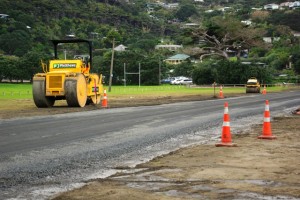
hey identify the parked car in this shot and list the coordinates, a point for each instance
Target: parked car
(176, 82)
(166, 81)
(186, 82)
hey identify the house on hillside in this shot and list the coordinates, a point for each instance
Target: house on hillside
(224, 9)
(121, 47)
(190, 25)
(171, 5)
(247, 22)
(271, 6)
(271, 39)
(286, 4)
(295, 5)
(171, 47)
(177, 59)
(3, 16)
(296, 34)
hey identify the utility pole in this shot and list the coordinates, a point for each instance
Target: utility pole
(139, 74)
(125, 74)
(159, 72)
(111, 66)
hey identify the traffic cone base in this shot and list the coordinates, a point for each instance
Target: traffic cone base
(268, 137)
(226, 145)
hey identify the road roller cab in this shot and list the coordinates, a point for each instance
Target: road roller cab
(68, 79)
(253, 86)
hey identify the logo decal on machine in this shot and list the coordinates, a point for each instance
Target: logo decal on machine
(95, 89)
(65, 65)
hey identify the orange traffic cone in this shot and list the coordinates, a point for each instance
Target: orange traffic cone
(226, 136)
(267, 132)
(221, 92)
(264, 90)
(104, 100)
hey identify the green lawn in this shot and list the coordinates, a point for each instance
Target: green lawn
(15, 91)
(24, 91)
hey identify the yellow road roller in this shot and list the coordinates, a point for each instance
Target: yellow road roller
(68, 79)
(253, 85)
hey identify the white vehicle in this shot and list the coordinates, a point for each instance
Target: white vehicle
(186, 81)
(176, 82)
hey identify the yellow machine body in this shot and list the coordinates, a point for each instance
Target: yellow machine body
(67, 79)
(253, 85)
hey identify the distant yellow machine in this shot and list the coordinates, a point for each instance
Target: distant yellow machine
(67, 79)
(253, 86)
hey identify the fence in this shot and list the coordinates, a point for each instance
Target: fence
(19, 93)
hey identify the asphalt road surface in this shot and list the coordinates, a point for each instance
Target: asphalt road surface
(41, 156)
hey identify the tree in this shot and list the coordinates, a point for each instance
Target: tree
(235, 72)
(278, 58)
(229, 72)
(15, 43)
(295, 58)
(204, 74)
(30, 64)
(223, 34)
(185, 12)
(150, 69)
(9, 67)
(183, 69)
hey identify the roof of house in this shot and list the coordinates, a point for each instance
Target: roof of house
(121, 47)
(168, 46)
(178, 57)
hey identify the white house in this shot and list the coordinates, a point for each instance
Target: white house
(286, 4)
(247, 22)
(190, 25)
(296, 34)
(295, 4)
(271, 6)
(177, 59)
(171, 5)
(121, 47)
(171, 47)
(3, 16)
(271, 39)
(224, 9)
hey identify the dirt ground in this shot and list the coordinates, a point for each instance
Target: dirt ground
(256, 169)
(26, 108)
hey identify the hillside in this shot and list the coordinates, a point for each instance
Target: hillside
(27, 26)
(38, 21)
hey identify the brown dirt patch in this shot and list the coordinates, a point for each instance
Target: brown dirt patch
(26, 108)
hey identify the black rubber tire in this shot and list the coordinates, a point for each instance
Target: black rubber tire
(39, 93)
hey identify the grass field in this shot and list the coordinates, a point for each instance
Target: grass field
(24, 91)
